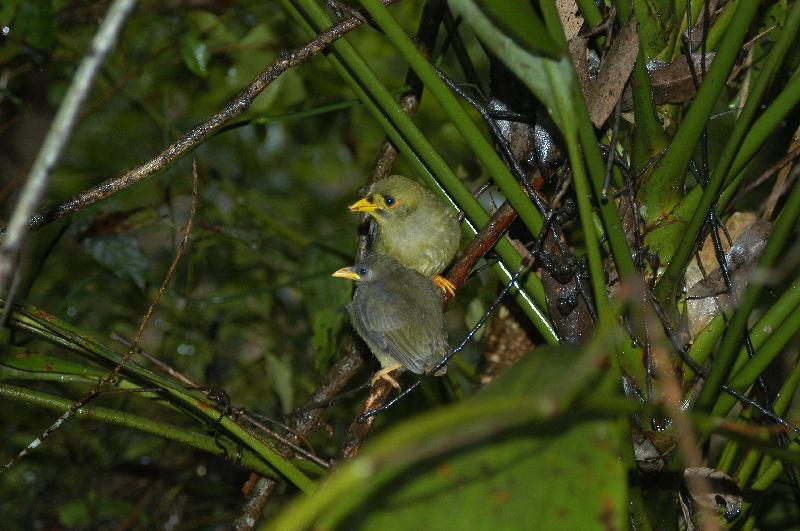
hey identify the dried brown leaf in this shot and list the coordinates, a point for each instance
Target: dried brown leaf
(749, 235)
(614, 74)
(577, 50)
(672, 82)
(724, 495)
(741, 259)
(780, 183)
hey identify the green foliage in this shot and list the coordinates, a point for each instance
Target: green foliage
(507, 453)
(37, 21)
(252, 309)
(326, 303)
(194, 53)
(504, 484)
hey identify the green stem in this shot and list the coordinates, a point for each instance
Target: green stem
(612, 222)
(781, 406)
(721, 25)
(649, 138)
(118, 418)
(590, 11)
(756, 366)
(782, 229)
(48, 327)
(583, 194)
(419, 152)
(759, 133)
(761, 130)
(677, 157)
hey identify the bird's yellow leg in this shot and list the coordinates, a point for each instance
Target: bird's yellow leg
(383, 374)
(444, 284)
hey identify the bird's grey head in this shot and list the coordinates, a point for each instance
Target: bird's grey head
(373, 267)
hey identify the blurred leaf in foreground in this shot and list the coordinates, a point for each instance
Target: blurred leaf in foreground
(510, 457)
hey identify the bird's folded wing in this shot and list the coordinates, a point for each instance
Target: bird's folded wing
(395, 325)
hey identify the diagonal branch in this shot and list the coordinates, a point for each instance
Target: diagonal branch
(195, 136)
(58, 135)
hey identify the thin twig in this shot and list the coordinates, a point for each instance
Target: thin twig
(195, 136)
(58, 136)
(245, 415)
(114, 374)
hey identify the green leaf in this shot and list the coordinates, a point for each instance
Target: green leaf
(569, 479)
(490, 462)
(22, 359)
(542, 75)
(122, 255)
(517, 19)
(195, 55)
(280, 374)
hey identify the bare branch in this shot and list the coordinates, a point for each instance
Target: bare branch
(58, 136)
(195, 136)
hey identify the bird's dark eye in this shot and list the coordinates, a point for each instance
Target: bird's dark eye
(389, 200)
(361, 271)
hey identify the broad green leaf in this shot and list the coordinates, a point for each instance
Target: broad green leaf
(510, 457)
(556, 477)
(566, 473)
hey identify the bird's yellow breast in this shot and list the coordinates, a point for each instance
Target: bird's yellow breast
(425, 240)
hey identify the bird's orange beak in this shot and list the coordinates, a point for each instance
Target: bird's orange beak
(364, 205)
(348, 273)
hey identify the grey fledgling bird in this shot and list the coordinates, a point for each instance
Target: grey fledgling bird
(398, 313)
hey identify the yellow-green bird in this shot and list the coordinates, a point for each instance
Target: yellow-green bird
(414, 226)
(398, 313)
